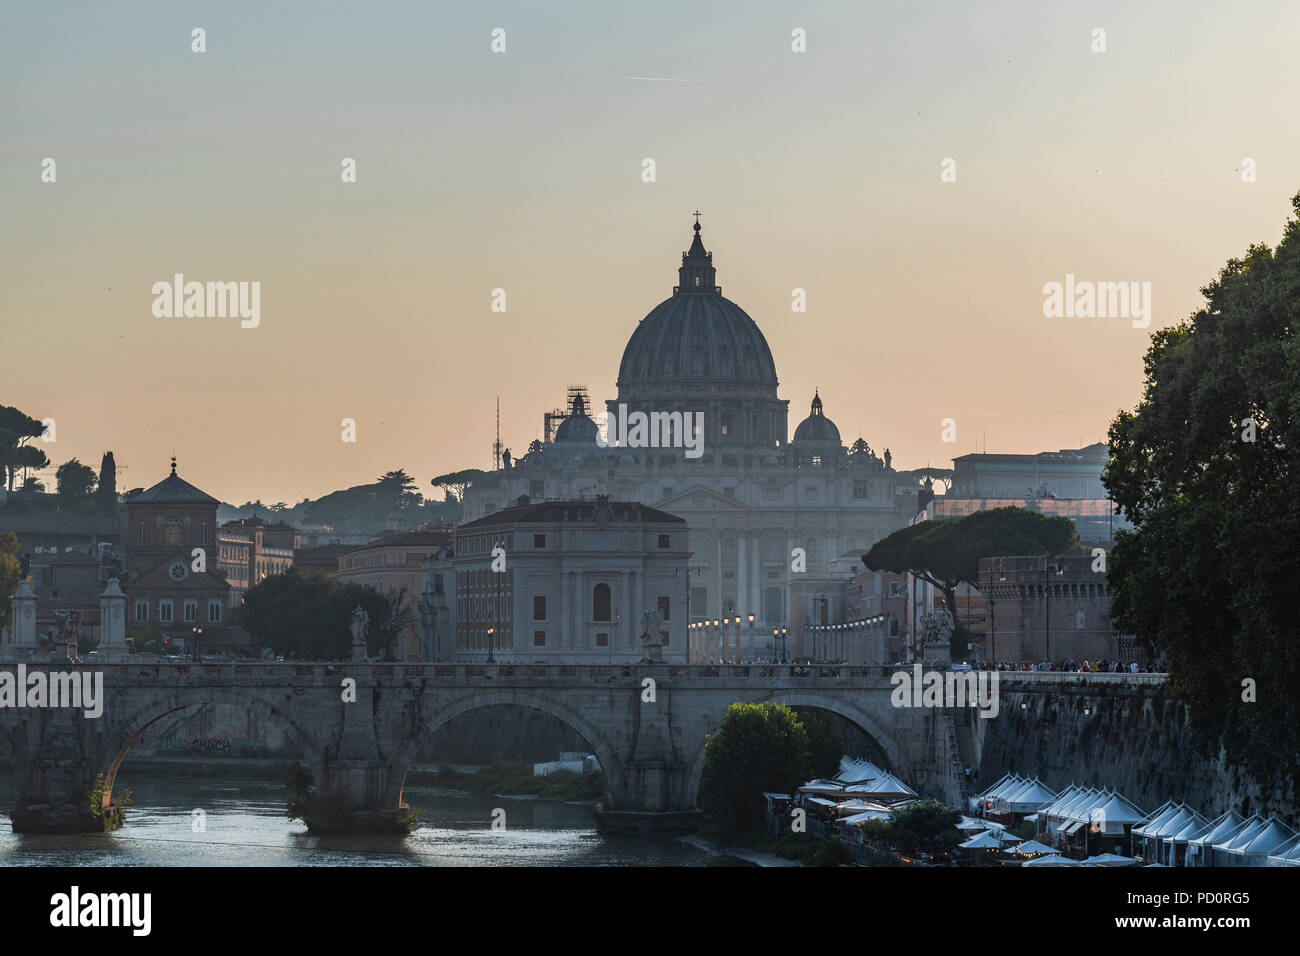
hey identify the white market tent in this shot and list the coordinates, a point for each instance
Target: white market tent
(973, 825)
(1114, 813)
(984, 841)
(1288, 854)
(1223, 850)
(1111, 859)
(1029, 848)
(1256, 851)
(822, 786)
(1170, 842)
(862, 806)
(886, 785)
(1052, 859)
(857, 819)
(1025, 799)
(1003, 786)
(1157, 818)
(853, 770)
(1162, 830)
(1200, 847)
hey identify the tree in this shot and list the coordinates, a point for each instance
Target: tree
(29, 458)
(10, 575)
(16, 430)
(309, 617)
(75, 482)
(454, 484)
(1202, 467)
(825, 742)
(947, 552)
(106, 492)
(758, 748)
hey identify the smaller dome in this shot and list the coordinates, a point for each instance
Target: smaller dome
(817, 427)
(577, 426)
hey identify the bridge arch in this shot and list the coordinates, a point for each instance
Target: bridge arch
(123, 733)
(895, 755)
(430, 722)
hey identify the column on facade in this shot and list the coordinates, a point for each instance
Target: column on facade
(625, 626)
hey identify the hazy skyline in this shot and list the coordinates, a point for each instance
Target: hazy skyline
(522, 171)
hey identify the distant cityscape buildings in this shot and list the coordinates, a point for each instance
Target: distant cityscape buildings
(697, 506)
(761, 509)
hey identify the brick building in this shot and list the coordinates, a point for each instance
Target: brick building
(1056, 609)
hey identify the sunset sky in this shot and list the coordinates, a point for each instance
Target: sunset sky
(522, 170)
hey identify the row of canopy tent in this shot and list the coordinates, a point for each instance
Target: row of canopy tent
(1179, 836)
(1014, 795)
(1173, 835)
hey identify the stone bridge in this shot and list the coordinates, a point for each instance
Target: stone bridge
(651, 751)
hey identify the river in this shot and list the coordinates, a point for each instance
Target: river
(244, 825)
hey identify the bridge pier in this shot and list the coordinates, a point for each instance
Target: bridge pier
(54, 797)
(651, 797)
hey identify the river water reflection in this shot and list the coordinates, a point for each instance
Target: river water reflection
(245, 825)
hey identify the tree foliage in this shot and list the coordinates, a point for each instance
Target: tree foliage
(758, 748)
(17, 429)
(825, 742)
(309, 616)
(106, 490)
(948, 552)
(454, 484)
(10, 574)
(1203, 467)
(370, 506)
(75, 483)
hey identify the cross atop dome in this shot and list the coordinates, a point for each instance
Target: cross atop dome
(696, 273)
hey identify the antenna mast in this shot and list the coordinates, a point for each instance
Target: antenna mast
(496, 445)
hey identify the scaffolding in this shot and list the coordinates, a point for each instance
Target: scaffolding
(551, 420)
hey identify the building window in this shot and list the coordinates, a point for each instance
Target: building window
(665, 541)
(214, 610)
(172, 532)
(602, 639)
(139, 533)
(539, 607)
(668, 491)
(600, 603)
(142, 608)
(539, 541)
(165, 611)
(537, 490)
(862, 489)
(665, 607)
(1078, 619)
(191, 610)
(539, 638)
(895, 589)
(203, 532)
(772, 605)
(729, 492)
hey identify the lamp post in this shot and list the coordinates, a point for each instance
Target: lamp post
(197, 632)
(491, 633)
(1047, 595)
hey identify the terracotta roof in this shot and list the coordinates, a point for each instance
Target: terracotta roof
(552, 511)
(173, 489)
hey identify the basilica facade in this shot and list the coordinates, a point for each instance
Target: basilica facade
(765, 512)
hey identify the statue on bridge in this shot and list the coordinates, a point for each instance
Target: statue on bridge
(651, 637)
(936, 630)
(360, 626)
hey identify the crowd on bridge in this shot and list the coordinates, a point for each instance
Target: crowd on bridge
(1103, 666)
